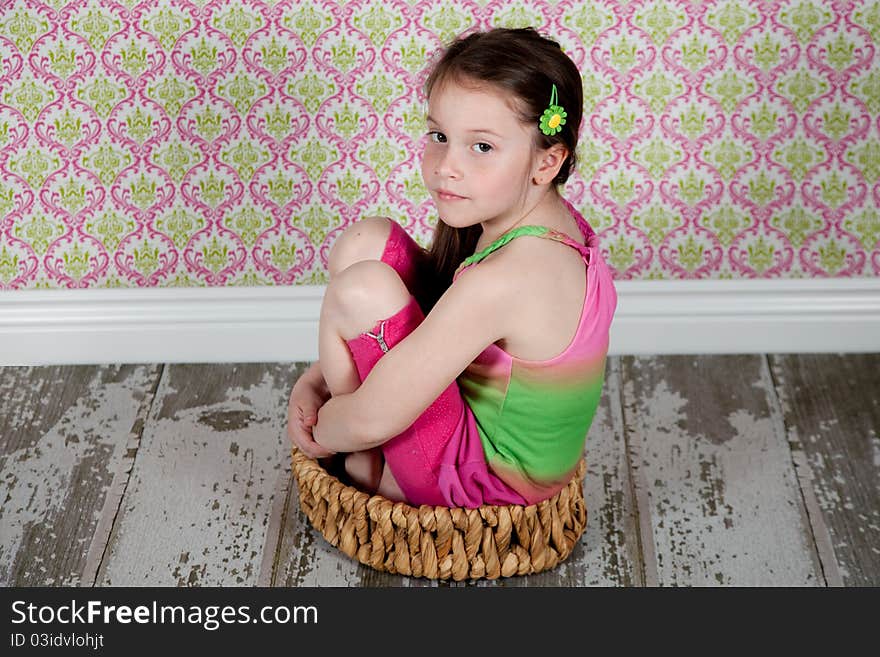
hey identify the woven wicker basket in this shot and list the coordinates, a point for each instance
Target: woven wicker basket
(439, 542)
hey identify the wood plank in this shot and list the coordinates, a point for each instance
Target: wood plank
(722, 495)
(611, 540)
(274, 526)
(607, 554)
(64, 438)
(197, 506)
(831, 405)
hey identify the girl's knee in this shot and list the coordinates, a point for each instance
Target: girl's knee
(365, 293)
(363, 240)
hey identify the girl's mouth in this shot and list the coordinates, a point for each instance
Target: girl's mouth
(443, 195)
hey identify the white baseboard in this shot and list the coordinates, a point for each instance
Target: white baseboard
(280, 324)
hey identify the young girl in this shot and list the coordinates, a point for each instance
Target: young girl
(469, 374)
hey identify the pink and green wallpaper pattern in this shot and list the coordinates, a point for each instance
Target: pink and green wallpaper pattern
(215, 143)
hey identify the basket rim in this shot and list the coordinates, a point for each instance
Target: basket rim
(303, 463)
(441, 542)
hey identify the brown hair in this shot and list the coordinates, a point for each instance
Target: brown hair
(526, 65)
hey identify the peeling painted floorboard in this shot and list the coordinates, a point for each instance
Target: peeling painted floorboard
(65, 439)
(708, 470)
(831, 405)
(197, 508)
(720, 489)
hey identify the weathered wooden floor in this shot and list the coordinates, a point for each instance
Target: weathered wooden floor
(703, 471)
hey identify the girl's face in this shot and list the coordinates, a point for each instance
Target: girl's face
(479, 158)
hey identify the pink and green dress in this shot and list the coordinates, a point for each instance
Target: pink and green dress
(526, 422)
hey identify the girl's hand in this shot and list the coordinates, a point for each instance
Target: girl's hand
(308, 395)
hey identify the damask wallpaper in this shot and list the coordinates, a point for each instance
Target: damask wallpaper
(179, 143)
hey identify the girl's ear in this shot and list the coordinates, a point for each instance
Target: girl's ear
(548, 164)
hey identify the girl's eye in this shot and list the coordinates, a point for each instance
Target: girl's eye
(482, 147)
(437, 137)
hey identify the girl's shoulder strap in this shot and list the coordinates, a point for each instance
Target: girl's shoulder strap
(538, 231)
(501, 241)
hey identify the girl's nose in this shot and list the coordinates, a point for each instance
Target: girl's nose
(447, 165)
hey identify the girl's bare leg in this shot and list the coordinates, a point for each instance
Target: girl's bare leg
(363, 240)
(357, 298)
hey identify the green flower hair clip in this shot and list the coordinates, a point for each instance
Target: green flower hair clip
(554, 116)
